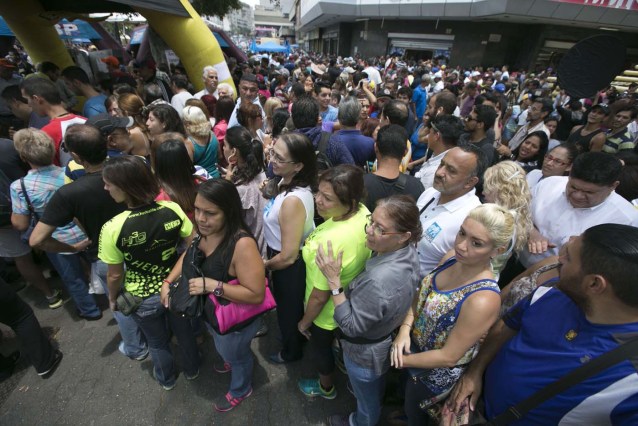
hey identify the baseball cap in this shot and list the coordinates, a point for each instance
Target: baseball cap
(604, 107)
(111, 60)
(500, 87)
(385, 93)
(348, 70)
(107, 123)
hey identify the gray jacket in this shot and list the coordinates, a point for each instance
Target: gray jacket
(377, 301)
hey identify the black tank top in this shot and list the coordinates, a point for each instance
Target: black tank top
(582, 142)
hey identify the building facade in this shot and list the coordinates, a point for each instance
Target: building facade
(240, 21)
(520, 33)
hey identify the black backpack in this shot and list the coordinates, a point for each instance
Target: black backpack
(323, 162)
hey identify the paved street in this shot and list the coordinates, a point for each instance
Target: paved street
(96, 385)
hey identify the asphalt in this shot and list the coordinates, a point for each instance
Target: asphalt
(96, 385)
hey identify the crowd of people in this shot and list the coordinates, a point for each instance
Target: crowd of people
(473, 230)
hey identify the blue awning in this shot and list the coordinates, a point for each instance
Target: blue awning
(220, 40)
(67, 30)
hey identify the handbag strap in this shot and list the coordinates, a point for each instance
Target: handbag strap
(622, 352)
(28, 200)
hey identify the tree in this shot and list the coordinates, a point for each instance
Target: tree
(215, 7)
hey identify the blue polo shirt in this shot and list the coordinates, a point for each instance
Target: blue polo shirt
(554, 337)
(361, 147)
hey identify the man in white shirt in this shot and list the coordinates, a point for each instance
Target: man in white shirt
(566, 206)
(444, 134)
(444, 206)
(179, 86)
(372, 72)
(210, 78)
(248, 93)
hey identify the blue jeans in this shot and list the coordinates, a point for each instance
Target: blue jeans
(234, 348)
(134, 343)
(368, 388)
(151, 317)
(69, 266)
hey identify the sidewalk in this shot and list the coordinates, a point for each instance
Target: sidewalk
(96, 385)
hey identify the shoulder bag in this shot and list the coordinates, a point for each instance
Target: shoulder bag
(232, 316)
(34, 217)
(180, 301)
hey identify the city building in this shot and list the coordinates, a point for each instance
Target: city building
(240, 21)
(267, 15)
(521, 33)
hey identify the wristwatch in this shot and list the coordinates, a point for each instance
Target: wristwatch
(219, 290)
(336, 291)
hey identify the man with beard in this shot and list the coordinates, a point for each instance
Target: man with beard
(592, 310)
(444, 206)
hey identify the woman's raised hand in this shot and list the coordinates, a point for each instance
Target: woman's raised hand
(329, 265)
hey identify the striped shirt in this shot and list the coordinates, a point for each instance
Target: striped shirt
(41, 184)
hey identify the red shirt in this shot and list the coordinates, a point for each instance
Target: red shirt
(56, 129)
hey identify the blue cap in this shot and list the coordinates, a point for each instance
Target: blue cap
(500, 87)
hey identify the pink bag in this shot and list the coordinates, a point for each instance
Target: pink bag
(231, 316)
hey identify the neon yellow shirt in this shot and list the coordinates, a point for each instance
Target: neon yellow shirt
(347, 236)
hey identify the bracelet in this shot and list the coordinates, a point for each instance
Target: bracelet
(204, 280)
(409, 325)
(167, 282)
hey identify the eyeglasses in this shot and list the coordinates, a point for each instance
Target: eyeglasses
(275, 158)
(469, 118)
(555, 160)
(433, 127)
(376, 229)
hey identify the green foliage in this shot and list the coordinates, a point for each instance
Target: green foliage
(215, 7)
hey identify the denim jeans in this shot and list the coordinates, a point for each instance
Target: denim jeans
(368, 388)
(234, 348)
(151, 317)
(69, 266)
(134, 343)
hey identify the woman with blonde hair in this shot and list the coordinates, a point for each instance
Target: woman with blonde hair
(269, 109)
(456, 305)
(131, 105)
(204, 142)
(30, 196)
(505, 184)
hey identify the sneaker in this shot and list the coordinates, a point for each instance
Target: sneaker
(193, 377)
(141, 357)
(57, 357)
(339, 420)
(165, 387)
(55, 300)
(312, 388)
(222, 368)
(228, 402)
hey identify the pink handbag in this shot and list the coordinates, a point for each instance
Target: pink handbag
(231, 316)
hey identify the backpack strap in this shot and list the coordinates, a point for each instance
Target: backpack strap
(401, 182)
(28, 200)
